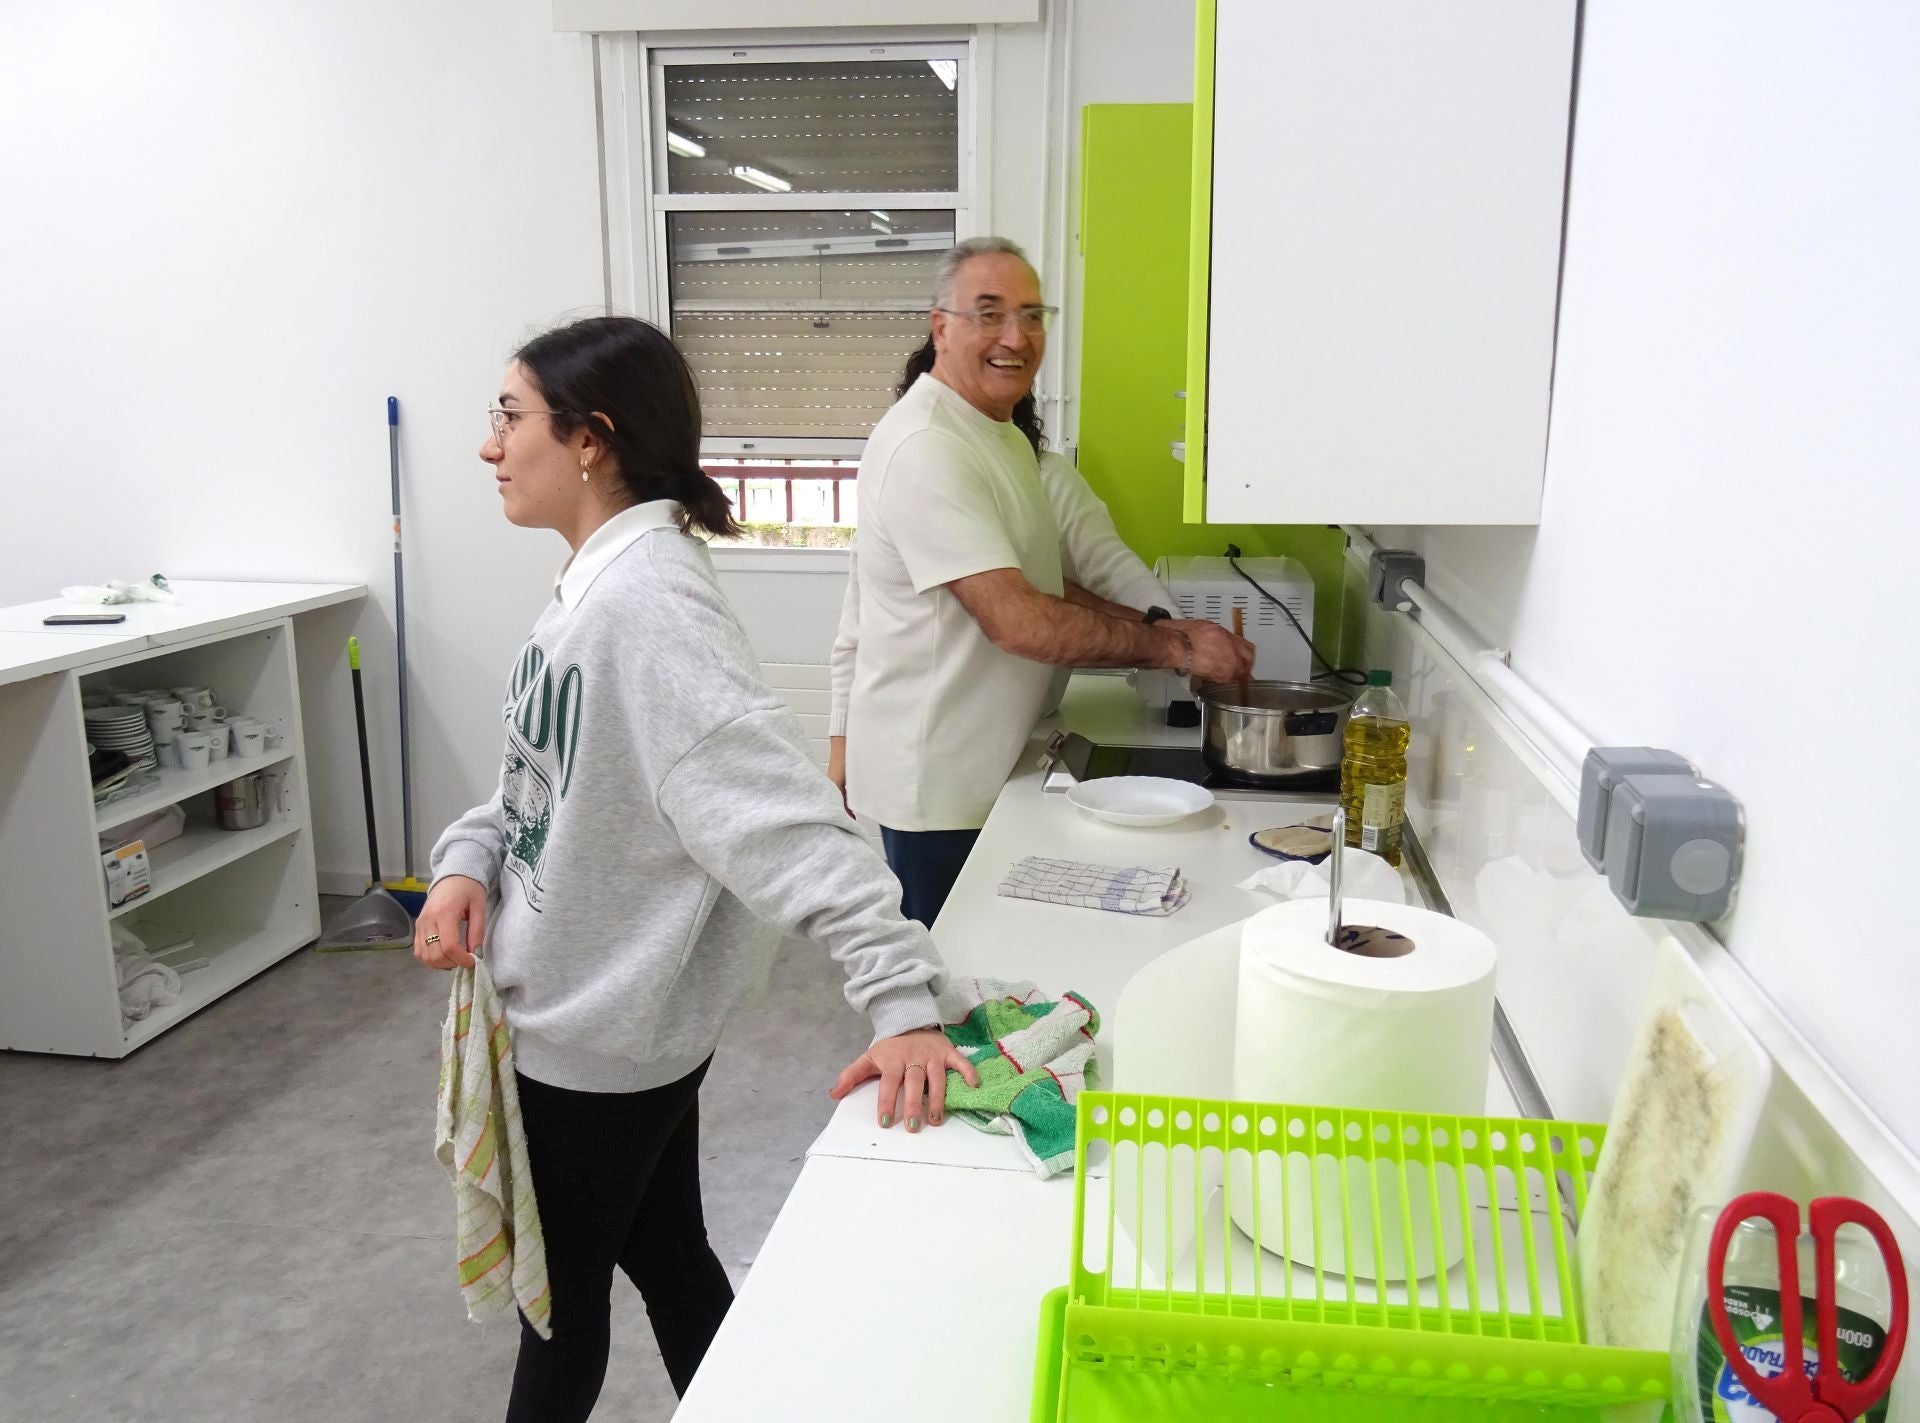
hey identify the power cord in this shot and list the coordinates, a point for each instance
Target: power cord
(1352, 676)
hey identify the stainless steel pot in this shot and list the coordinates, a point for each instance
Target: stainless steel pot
(242, 804)
(1272, 733)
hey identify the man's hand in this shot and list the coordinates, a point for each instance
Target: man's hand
(837, 768)
(1218, 656)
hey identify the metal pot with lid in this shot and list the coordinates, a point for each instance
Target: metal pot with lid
(1272, 733)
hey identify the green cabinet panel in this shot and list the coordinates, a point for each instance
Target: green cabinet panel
(1135, 225)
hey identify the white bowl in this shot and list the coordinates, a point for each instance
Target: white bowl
(1140, 800)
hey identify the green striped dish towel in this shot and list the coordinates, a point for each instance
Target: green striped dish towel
(479, 1138)
(1034, 1055)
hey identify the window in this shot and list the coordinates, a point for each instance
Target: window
(802, 197)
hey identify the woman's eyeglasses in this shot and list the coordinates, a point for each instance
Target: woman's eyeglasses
(503, 419)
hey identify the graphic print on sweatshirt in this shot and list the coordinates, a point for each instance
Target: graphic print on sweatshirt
(543, 746)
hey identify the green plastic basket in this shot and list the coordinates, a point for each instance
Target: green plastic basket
(1174, 1311)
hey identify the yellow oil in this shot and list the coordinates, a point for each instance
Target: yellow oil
(1373, 784)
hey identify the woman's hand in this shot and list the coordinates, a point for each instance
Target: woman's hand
(837, 767)
(455, 902)
(914, 1064)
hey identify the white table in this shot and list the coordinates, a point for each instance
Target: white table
(1060, 947)
(46, 651)
(205, 608)
(892, 1244)
(891, 1290)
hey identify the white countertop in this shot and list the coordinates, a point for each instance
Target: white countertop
(949, 1226)
(205, 607)
(1060, 947)
(25, 655)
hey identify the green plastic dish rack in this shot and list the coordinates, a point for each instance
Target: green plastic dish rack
(1174, 1312)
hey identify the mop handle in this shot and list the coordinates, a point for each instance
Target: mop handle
(366, 766)
(400, 639)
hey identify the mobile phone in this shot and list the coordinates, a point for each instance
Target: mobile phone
(64, 620)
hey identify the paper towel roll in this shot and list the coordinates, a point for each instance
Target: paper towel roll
(1320, 1026)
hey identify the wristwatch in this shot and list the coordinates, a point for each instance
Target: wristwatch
(1154, 615)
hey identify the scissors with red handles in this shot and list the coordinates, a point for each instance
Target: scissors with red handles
(1798, 1394)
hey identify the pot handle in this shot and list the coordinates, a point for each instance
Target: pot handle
(1320, 723)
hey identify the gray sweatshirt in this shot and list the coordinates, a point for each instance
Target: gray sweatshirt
(658, 826)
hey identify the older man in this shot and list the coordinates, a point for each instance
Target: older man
(963, 610)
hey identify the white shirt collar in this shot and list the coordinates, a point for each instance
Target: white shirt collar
(607, 543)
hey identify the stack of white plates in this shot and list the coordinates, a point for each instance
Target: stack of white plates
(123, 729)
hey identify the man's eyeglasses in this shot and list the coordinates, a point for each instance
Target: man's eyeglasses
(503, 419)
(993, 319)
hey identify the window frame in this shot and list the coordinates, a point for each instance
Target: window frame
(973, 54)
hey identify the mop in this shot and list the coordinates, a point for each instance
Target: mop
(376, 920)
(408, 890)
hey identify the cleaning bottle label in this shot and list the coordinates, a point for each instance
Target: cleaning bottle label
(1381, 811)
(1755, 1313)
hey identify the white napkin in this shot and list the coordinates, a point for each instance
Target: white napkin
(1123, 890)
(1363, 876)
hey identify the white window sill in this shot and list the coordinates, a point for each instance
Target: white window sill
(779, 560)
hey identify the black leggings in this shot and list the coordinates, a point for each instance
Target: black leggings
(617, 1177)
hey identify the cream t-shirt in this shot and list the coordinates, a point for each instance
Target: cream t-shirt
(938, 715)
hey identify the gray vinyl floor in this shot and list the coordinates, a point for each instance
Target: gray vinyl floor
(244, 1220)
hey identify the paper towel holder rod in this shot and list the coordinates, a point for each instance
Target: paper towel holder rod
(1333, 876)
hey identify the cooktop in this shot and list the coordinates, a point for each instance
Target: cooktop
(1090, 761)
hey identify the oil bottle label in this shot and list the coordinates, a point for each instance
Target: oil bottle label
(1381, 811)
(1755, 1313)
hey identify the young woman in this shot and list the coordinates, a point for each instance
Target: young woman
(658, 825)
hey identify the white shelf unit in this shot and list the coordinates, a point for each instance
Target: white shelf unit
(247, 898)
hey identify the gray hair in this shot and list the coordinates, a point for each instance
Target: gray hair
(957, 256)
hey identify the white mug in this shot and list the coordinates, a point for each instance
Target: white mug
(197, 698)
(195, 749)
(166, 716)
(166, 748)
(248, 741)
(275, 740)
(220, 740)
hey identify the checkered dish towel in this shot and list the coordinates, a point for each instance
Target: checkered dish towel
(1125, 891)
(479, 1138)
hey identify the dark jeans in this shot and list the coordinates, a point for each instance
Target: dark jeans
(617, 1177)
(927, 863)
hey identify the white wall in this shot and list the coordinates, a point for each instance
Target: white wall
(237, 229)
(1730, 500)
(229, 232)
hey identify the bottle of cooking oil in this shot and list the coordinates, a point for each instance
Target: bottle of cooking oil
(1373, 769)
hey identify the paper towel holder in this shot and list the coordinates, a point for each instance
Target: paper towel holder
(1333, 875)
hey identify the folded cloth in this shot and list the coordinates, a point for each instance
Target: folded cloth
(1116, 887)
(1034, 1056)
(479, 1138)
(145, 982)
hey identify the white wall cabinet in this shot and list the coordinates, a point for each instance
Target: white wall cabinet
(246, 898)
(1374, 311)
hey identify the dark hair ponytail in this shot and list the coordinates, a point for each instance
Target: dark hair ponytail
(1026, 414)
(630, 373)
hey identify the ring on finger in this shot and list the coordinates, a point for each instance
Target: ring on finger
(433, 938)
